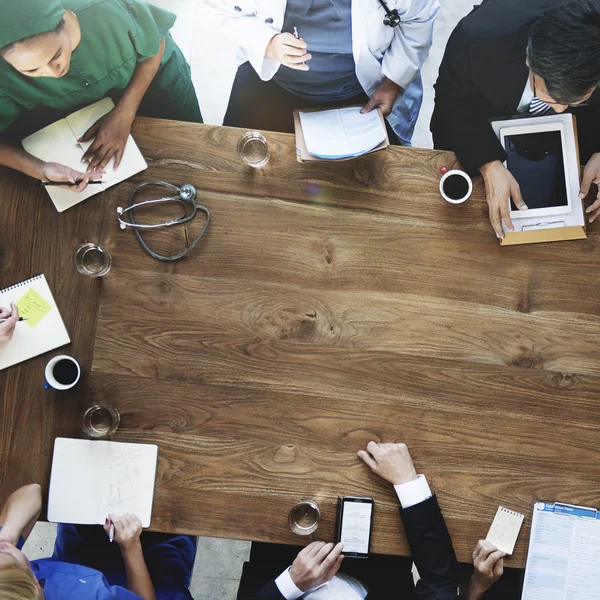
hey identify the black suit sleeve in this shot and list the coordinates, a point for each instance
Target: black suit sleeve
(432, 551)
(460, 122)
(269, 591)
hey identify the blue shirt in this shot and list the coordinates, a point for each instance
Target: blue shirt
(326, 27)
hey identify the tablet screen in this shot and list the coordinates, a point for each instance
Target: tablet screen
(536, 162)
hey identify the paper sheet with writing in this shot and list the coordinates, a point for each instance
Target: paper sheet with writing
(33, 307)
(341, 132)
(504, 530)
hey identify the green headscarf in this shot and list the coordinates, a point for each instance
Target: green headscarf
(24, 18)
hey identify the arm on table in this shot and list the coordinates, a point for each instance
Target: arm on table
(20, 513)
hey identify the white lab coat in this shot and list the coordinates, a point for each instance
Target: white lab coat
(379, 51)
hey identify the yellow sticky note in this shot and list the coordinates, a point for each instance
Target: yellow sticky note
(33, 307)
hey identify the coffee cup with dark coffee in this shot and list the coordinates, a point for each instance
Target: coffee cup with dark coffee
(455, 186)
(62, 373)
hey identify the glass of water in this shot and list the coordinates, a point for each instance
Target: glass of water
(92, 260)
(304, 517)
(253, 149)
(101, 420)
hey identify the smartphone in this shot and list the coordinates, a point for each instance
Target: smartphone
(355, 518)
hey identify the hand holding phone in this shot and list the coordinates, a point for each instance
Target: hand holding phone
(390, 461)
(315, 565)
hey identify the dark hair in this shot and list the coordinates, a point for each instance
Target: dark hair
(564, 49)
(9, 47)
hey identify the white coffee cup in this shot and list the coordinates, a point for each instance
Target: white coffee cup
(51, 381)
(446, 175)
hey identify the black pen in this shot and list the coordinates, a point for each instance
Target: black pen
(19, 319)
(47, 183)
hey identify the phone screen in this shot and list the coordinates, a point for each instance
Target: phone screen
(356, 526)
(536, 162)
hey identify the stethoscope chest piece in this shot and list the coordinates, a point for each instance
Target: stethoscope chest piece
(185, 195)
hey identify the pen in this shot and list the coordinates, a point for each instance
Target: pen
(47, 183)
(19, 319)
(297, 36)
(111, 533)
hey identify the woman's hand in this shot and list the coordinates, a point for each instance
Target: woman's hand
(7, 328)
(111, 133)
(127, 530)
(591, 174)
(289, 51)
(55, 172)
(383, 97)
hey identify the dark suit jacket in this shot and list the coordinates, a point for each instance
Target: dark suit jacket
(482, 78)
(432, 552)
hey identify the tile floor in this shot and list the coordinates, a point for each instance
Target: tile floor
(219, 561)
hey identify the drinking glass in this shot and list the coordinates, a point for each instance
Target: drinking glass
(92, 260)
(101, 420)
(253, 149)
(304, 517)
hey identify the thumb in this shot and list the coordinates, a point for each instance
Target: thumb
(515, 194)
(588, 179)
(369, 106)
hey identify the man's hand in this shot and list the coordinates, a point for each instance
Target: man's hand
(499, 186)
(488, 563)
(390, 461)
(111, 133)
(55, 172)
(289, 51)
(591, 174)
(8, 327)
(383, 97)
(127, 530)
(316, 564)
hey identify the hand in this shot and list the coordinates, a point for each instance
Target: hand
(390, 461)
(591, 174)
(499, 186)
(488, 563)
(7, 328)
(127, 530)
(383, 97)
(56, 172)
(111, 133)
(289, 51)
(316, 564)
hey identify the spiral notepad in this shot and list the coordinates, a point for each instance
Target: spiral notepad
(43, 330)
(504, 530)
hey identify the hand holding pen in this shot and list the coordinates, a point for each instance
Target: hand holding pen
(59, 175)
(289, 50)
(9, 317)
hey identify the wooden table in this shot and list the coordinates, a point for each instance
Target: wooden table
(329, 305)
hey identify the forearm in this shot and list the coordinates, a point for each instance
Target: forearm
(138, 578)
(20, 513)
(16, 158)
(142, 77)
(474, 591)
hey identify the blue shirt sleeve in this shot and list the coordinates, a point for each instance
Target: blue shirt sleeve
(20, 543)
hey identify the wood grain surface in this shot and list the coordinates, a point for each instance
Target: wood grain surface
(330, 304)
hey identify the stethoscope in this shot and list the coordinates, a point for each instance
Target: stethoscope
(392, 18)
(186, 195)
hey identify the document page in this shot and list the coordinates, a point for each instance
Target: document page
(341, 133)
(583, 581)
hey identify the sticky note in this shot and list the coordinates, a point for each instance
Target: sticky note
(505, 529)
(33, 307)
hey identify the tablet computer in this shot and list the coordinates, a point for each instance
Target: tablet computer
(537, 160)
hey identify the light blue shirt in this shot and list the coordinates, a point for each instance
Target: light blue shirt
(326, 26)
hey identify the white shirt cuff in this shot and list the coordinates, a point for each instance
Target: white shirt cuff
(287, 587)
(413, 492)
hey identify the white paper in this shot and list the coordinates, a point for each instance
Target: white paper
(563, 562)
(504, 530)
(92, 478)
(342, 132)
(356, 521)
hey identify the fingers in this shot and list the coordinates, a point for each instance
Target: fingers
(313, 549)
(369, 106)
(118, 158)
(323, 552)
(366, 457)
(374, 450)
(594, 215)
(91, 152)
(106, 526)
(491, 560)
(288, 39)
(90, 133)
(294, 51)
(505, 213)
(496, 221)
(101, 164)
(483, 549)
(515, 194)
(499, 568)
(335, 567)
(588, 178)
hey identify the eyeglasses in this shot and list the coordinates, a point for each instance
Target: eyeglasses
(573, 105)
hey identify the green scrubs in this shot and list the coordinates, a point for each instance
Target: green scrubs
(115, 36)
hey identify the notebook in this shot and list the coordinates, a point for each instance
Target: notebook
(58, 143)
(505, 528)
(563, 561)
(44, 329)
(338, 134)
(91, 479)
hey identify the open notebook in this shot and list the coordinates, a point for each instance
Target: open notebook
(58, 143)
(93, 478)
(44, 329)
